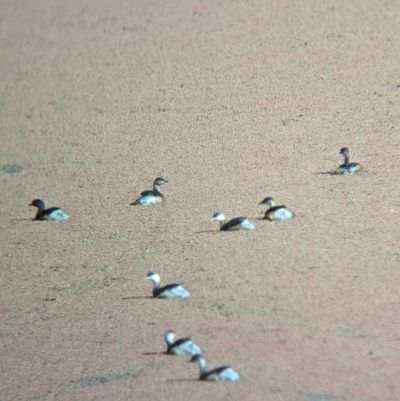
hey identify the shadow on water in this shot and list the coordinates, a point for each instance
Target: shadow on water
(182, 380)
(137, 297)
(11, 168)
(154, 353)
(96, 380)
(317, 397)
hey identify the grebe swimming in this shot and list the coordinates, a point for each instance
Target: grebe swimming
(151, 197)
(238, 223)
(181, 346)
(347, 168)
(53, 213)
(276, 212)
(222, 373)
(168, 291)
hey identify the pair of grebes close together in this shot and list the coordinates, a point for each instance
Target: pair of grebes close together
(152, 197)
(184, 345)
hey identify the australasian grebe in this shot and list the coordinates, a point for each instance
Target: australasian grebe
(53, 213)
(151, 197)
(276, 212)
(222, 373)
(181, 346)
(347, 168)
(168, 291)
(238, 223)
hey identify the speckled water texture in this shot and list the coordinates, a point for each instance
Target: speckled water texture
(231, 101)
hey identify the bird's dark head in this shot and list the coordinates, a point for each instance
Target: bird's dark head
(268, 201)
(218, 217)
(151, 276)
(37, 203)
(160, 181)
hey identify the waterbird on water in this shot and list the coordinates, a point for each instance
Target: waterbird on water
(181, 346)
(347, 168)
(151, 197)
(238, 223)
(168, 291)
(52, 213)
(276, 212)
(222, 373)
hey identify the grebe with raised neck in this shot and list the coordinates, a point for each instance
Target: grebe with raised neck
(151, 197)
(347, 168)
(52, 213)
